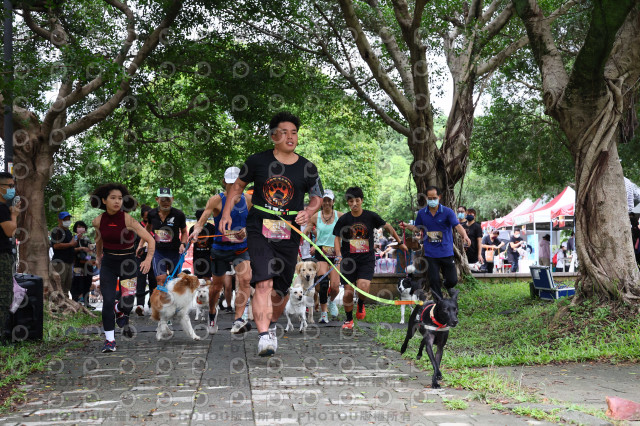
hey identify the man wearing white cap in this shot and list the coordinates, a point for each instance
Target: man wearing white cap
(229, 250)
(325, 239)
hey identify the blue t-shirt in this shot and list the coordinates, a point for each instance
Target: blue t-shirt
(438, 231)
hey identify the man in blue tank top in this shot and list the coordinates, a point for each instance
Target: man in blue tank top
(228, 250)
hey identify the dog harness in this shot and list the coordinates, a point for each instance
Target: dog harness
(440, 327)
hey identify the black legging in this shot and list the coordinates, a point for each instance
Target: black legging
(323, 290)
(112, 268)
(142, 283)
(449, 272)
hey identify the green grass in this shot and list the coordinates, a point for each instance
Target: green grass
(455, 404)
(19, 360)
(501, 325)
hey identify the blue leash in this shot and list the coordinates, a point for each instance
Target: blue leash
(321, 278)
(163, 287)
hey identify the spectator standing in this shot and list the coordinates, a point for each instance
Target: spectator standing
(544, 251)
(512, 250)
(490, 244)
(461, 214)
(571, 243)
(563, 259)
(64, 253)
(474, 232)
(82, 266)
(169, 226)
(8, 223)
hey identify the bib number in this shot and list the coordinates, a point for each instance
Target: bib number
(232, 236)
(329, 251)
(275, 229)
(163, 236)
(128, 287)
(359, 245)
(434, 237)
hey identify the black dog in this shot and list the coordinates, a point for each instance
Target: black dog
(433, 319)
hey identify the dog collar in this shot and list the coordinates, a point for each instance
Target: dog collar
(440, 327)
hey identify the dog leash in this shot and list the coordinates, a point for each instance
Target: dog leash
(163, 287)
(364, 293)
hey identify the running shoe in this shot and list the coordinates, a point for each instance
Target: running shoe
(333, 308)
(273, 334)
(240, 326)
(266, 346)
(229, 310)
(109, 346)
(323, 319)
(347, 325)
(361, 312)
(140, 310)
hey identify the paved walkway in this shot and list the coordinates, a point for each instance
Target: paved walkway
(322, 377)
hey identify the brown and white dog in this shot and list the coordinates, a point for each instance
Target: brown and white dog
(175, 304)
(305, 277)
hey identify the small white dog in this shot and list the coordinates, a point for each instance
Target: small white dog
(407, 288)
(296, 308)
(174, 304)
(202, 302)
(305, 277)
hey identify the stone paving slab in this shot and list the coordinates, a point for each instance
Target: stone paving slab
(321, 377)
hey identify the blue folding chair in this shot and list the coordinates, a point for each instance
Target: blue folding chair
(544, 286)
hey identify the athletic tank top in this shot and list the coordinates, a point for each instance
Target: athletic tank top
(114, 233)
(239, 214)
(325, 232)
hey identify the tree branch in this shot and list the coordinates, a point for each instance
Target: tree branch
(183, 112)
(108, 107)
(366, 52)
(131, 33)
(28, 20)
(624, 60)
(490, 11)
(499, 58)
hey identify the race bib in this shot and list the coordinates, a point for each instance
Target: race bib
(232, 236)
(329, 251)
(275, 229)
(359, 245)
(434, 237)
(77, 271)
(163, 236)
(128, 287)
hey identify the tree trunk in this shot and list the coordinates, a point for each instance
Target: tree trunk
(33, 168)
(603, 237)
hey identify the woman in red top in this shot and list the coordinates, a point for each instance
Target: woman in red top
(115, 256)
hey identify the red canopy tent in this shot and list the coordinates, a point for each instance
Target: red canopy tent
(522, 207)
(509, 220)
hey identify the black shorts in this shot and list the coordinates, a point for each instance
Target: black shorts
(317, 256)
(202, 267)
(272, 259)
(357, 270)
(223, 259)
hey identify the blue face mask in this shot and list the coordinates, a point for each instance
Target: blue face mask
(10, 194)
(460, 215)
(433, 203)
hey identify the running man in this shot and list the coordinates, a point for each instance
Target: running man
(281, 178)
(354, 233)
(228, 250)
(328, 288)
(436, 222)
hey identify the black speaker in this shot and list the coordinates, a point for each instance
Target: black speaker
(27, 323)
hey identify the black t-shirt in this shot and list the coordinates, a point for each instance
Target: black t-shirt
(167, 232)
(510, 251)
(81, 256)
(357, 234)
(487, 242)
(5, 240)
(202, 247)
(473, 232)
(279, 187)
(61, 235)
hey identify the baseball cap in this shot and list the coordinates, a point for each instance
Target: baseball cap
(164, 192)
(63, 215)
(231, 174)
(328, 194)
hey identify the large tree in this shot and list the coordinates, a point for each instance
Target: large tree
(587, 98)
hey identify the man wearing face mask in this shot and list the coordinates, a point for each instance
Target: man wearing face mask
(474, 232)
(8, 222)
(436, 222)
(512, 251)
(490, 244)
(64, 251)
(169, 226)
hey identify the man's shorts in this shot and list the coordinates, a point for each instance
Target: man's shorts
(357, 270)
(222, 260)
(202, 267)
(272, 259)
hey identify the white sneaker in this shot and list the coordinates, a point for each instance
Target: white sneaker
(333, 308)
(212, 328)
(266, 346)
(273, 334)
(240, 326)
